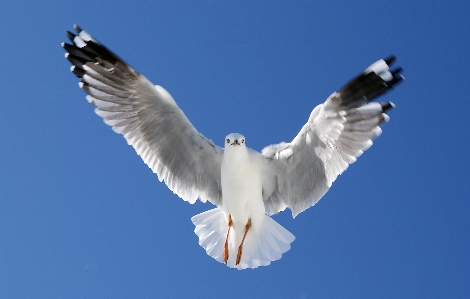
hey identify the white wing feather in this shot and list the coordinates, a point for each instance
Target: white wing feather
(299, 173)
(149, 119)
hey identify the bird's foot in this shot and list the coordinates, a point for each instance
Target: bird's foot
(226, 239)
(240, 248)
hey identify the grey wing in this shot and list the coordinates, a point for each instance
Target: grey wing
(299, 173)
(148, 118)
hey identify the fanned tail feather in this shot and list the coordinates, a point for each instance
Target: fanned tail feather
(260, 248)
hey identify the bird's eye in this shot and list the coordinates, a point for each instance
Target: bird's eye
(228, 140)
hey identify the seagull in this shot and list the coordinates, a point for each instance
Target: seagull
(246, 186)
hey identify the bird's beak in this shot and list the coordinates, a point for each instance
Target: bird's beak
(236, 143)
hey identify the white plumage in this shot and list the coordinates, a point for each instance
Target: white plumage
(245, 185)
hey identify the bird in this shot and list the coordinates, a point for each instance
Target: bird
(245, 186)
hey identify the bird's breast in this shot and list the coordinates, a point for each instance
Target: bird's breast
(242, 191)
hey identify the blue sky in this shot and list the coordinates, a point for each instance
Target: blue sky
(81, 216)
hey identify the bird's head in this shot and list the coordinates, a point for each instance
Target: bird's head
(235, 140)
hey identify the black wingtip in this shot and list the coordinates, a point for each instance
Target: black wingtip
(79, 72)
(396, 71)
(70, 35)
(396, 80)
(397, 77)
(387, 106)
(77, 28)
(390, 60)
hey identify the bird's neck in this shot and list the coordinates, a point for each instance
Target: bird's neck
(236, 158)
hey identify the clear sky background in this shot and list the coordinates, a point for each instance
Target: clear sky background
(81, 216)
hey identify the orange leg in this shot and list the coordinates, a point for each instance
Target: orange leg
(226, 239)
(239, 255)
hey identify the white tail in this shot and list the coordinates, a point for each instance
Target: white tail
(260, 248)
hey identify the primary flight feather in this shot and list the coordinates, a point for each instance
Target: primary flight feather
(245, 185)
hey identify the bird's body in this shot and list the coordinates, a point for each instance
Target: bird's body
(245, 185)
(242, 187)
(241, 178)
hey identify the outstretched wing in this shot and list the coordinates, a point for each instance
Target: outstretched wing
(148, 118)
(338, 131)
